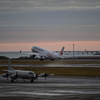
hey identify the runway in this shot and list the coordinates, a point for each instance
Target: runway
(54, 88)
(53, 65)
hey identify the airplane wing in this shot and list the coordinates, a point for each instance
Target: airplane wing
(5, 70)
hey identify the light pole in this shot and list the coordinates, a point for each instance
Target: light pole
(73, 50)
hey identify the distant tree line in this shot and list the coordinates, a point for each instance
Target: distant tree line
(3, 57)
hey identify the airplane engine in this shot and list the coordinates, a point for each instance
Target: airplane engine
(33, 56)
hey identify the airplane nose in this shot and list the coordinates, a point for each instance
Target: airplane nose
(33, 76)
(3, 75)
(31, 49)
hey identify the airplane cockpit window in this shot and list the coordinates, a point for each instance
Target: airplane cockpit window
(30, 73)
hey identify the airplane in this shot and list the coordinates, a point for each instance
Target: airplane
(43, 53)
(21, 74)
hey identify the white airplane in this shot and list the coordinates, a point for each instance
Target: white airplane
(21, 74)
(43, 53)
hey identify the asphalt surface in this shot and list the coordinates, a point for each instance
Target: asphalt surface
(53, 65)
(54, 88)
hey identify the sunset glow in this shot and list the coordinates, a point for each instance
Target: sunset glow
(53, 46)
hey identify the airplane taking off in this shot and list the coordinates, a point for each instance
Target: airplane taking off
(21, 74)
(38, 51)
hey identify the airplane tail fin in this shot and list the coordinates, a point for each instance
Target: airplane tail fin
(61, 52)
(9, 65)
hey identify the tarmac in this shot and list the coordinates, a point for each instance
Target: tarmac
(54, 88)
(54, 65)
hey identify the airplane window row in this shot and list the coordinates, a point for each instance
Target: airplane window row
(38, 49)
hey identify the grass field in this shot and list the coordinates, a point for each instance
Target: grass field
(58, 71)
(47, 62)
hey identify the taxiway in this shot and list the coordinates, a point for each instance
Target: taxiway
(54, 88)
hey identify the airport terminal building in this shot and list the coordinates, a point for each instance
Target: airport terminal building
(80, 54)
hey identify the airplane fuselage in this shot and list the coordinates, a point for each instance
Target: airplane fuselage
(21, 74)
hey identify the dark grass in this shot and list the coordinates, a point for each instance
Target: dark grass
(58, 71)
(48, 62)
(62, 71)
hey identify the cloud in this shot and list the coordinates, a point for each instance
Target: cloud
(47, 5)
(49, 20)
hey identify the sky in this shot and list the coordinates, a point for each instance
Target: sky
(50, 24)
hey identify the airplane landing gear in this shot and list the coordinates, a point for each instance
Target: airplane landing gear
(32, 80)
(12, 80)
(41, 59)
